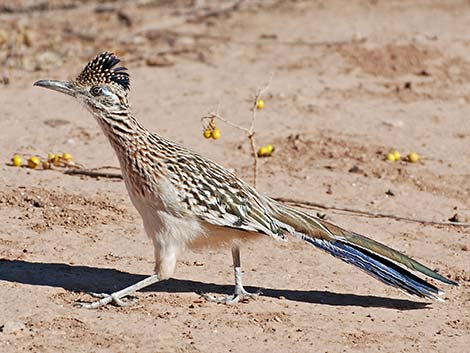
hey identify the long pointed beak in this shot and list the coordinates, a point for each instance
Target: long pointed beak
(59, 86)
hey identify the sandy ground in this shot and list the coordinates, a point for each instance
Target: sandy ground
(350, 81)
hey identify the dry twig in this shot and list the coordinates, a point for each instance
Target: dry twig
(208, 120)
(106, 167)
(251, 133)
(316, 205)
(93, 174)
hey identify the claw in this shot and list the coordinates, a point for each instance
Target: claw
(105, 299)
(239, 295)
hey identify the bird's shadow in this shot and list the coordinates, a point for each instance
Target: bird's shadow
(93, 279)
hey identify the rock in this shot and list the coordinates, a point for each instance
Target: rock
(3, 37)
(12, 327)
(5, 79)
(47, 60)
(186, 41)
(355, 169)
(29, 37)
(394, 123)
(321, 215)
(389, 192)
(106, 7)
(159, 61)
(124, 18)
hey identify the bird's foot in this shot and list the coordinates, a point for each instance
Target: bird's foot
(240, 295)
(105, 299)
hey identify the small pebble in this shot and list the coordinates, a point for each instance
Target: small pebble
(12, 327)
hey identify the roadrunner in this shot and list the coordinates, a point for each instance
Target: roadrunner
(188, 201)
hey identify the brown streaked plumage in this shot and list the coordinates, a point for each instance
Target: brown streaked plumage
(188, 201)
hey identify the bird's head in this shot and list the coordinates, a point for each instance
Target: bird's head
(101, 86)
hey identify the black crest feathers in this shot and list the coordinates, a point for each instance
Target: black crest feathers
(100, 70)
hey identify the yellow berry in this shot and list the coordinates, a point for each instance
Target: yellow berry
(207, 134)
(269, 149)
(46, 165)
(216, 134)
(33, 162)
(51, 157)
(262, 152)
(66, 156)
(390, 157)
(413, 157)
(397, 155)
(260, 104)
(16, 160)
(56, 160)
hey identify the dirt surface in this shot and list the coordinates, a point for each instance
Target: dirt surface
(350, 82)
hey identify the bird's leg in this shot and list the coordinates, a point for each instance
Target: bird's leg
(116, 297)
(240, 292)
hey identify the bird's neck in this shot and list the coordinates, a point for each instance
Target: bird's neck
(121, 128)
(137, 149)
(126, 134)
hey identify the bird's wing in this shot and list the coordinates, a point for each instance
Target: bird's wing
(215, 195)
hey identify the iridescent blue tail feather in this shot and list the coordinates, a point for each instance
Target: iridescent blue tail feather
(379, 267)
(378, 260)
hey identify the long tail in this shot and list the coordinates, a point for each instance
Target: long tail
(380, 261)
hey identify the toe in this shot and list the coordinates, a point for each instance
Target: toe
(251, 295)
(121, 303)
(98, 295)
(209, 298)
(93, 305)
(232, 299)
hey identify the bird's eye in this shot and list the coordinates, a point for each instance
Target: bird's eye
(96, 91)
